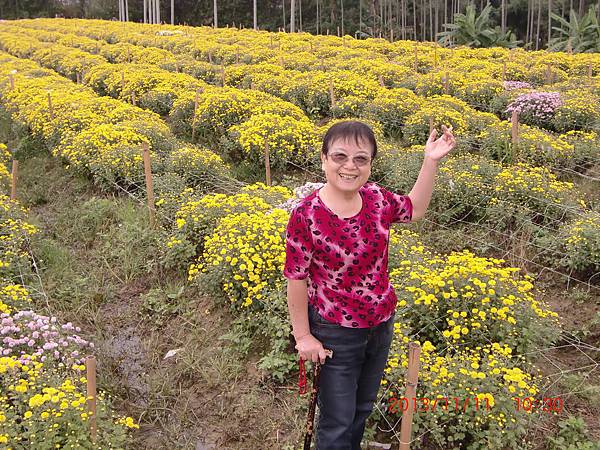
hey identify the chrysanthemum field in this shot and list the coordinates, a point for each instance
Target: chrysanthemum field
(499, 284)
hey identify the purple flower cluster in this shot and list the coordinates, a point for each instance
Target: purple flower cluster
(28, 333)
(299, 193)
(512, 85)
(536, 106)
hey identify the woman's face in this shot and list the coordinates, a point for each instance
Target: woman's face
(347, 165)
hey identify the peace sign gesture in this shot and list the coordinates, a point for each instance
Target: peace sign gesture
(437, 149)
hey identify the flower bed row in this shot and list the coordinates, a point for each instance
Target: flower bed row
(475, 318)
(120, 155)
(42, 376)
(102, 136)
(400, 110)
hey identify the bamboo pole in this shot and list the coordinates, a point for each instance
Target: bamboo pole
(13, 181)
(412, 377)
(267, 164)
(90, 365)
(149, 188)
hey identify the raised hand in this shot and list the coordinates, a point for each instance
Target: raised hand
(437, 149)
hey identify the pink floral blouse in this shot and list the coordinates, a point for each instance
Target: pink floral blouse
(346, 259)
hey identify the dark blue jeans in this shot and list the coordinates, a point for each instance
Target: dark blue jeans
(350, 380)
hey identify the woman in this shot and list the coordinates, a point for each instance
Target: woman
(339, 294)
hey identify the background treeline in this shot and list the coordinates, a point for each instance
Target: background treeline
(423, 20)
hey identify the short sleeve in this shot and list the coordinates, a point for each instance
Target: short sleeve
(298, 246)
(400, 206)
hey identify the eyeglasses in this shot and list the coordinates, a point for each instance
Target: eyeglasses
(342, 158)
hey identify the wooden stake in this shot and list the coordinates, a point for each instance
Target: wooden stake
(447, 83)
(590, 71)
(128, 55)
(548, 73)
(210, 60)
(412, 377)
(381, 83)
(430, 125)
(271, 41)
(176, 67)
(338, 28)
(13, 182)
(504, 71)
(90, 365)
(77, 78)
(514, 120)
(122, 81)
(435, 56)
(97, 48)
(222, 75)
(11, 80)
(237, 55)
(149, 188)
(569, 47)
(281, 61)
(267, 164)
(416, 59)
(332, 94)
(392, 35)
(133, 102)
(198, 92)
(50, 108)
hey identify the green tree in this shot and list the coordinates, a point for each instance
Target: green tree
(581, 34)
(476, 31)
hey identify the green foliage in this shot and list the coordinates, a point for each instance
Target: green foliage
(572, 436)
(160, 303)
(476, 31)
(580, 34)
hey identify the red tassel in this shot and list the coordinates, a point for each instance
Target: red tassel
(302, 378)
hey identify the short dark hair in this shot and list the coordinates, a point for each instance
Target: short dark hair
(347, 129)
